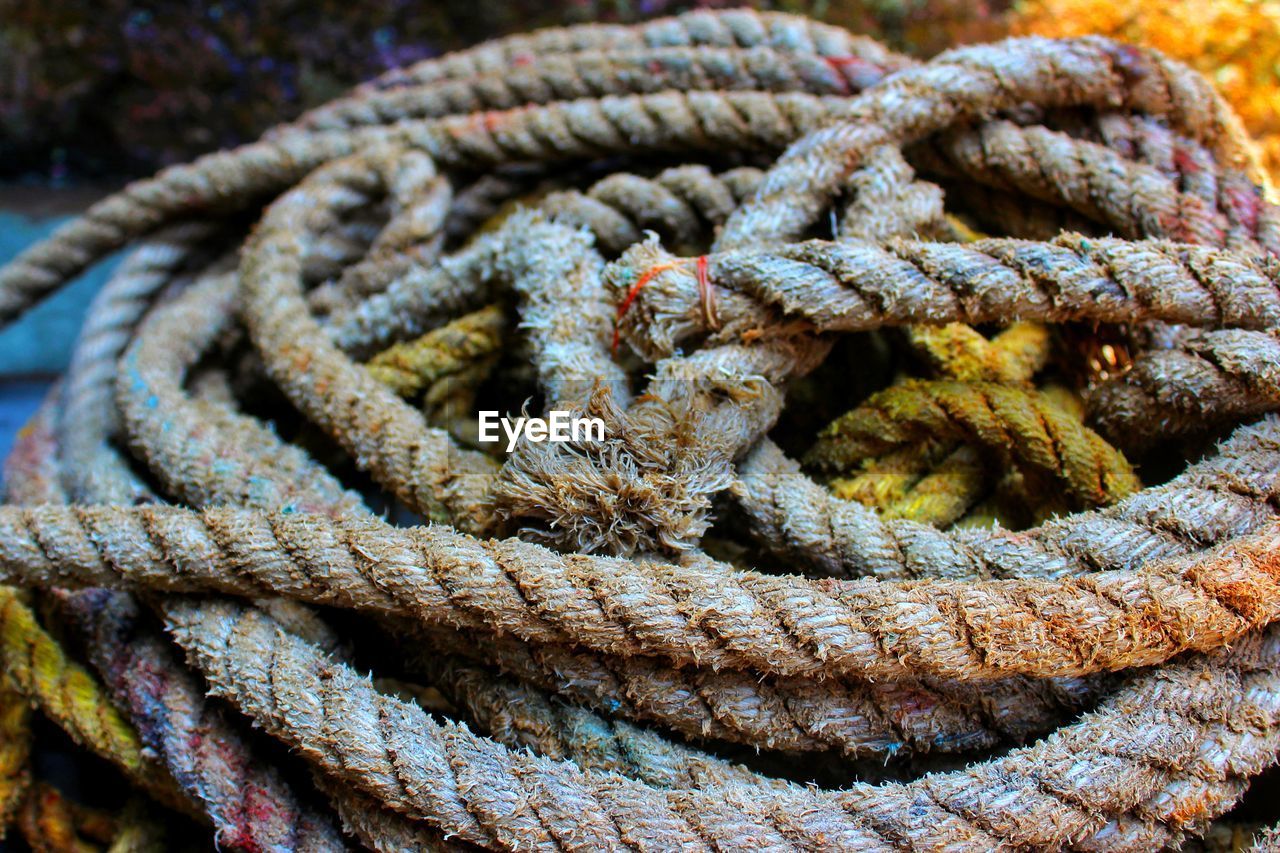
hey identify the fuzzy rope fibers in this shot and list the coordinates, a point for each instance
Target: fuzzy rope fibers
(679, 227)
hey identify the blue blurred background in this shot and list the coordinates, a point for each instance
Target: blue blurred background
(37, 347)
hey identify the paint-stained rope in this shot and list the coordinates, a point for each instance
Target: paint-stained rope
(38, 668)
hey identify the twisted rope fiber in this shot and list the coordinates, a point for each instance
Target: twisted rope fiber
(36, 672)
(409, 367)
(36, 666)
(217, 181)
(1134, 198)
(220, 178)
(961, 82)
(937, 482)
(1184, 566)
(379, 828)
(249, 808)
(852, 627)
(265, 347)
(1021, 424)
(849, 287)
(171, 323)
(89, 420)
(1152, 779)
(682, 121)
(518, 716)
(856, 286)
(678, 199)
(822, 721)
(249, 805)
(860, 718)
(817, 717)
(732, 28)
(957, 351)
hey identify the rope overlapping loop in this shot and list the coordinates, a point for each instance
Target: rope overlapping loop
(682, 228)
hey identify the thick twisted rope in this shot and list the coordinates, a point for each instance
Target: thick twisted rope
(349, 261)
(216, 180)
(36, 666)
(733, 28)
(1134, 198)
(609, 809)
(250, 806)
(859, 718)
(878, 630)
(954, 87)
(1020, 424)
(521, 716)
(850, 286)
(89, 419)
(1230, 495)
(409, 367)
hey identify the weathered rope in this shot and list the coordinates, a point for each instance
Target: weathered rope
(1133, 198)
(1229, 495)
(609, 809)
(958, 351)
(261, 389)
(1165, 607)
(36, 666)
(1013, 422)
(15, 750)
(1203, 379)
(89, 420)
(959, 83)
(248, 804)
(934, 480)
(734, 28)
(858, 718)
(521, 716)
(407, 368)
(850, 286)
(170, 323)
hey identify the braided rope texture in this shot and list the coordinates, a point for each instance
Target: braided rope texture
(708, 231)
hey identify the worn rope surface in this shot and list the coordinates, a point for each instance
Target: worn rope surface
(598, 635)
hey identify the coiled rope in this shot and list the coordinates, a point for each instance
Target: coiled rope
(241, 408)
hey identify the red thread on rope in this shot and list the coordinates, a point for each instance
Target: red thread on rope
(625, 304)
(707, 295)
